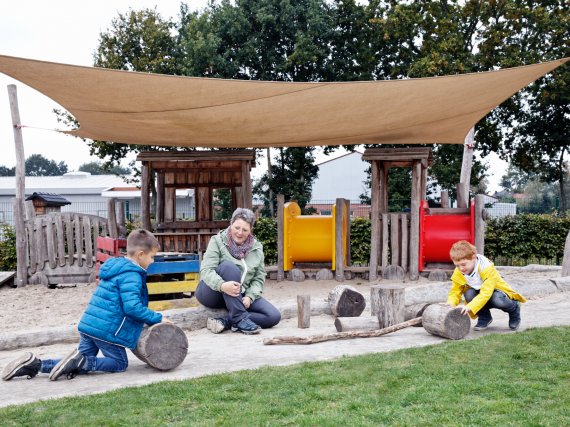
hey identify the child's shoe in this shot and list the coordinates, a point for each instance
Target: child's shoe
(68, 366)
(246, 326)
(218, 325)
(27, 365)
(483, 324)
(515, 317)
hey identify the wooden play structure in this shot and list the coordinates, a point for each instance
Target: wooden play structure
(419, 240)
(312, 242)
(202, 171)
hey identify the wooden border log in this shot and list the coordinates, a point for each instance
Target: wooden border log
(303, 311)
(362, 323)
(163, 346)
(446, 321)
(387, 303)
(346, 301)
(340, 335)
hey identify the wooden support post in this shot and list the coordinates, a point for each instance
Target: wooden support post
(387, 303)
(375, 226)
(385, 234)
(446, 321)
(163, 346)
(394, 239)
(160, 197)
(415, 222)
(346, 301)
(121, 219)
(466, 166)
(303, 311)
(246, 185)
(348, 222)
(462, 195)
(404, 228)
(280, 238)
(480, 223)
(339, 244)
(444, 198)
(145, 196)
(19, 209)
(112, 218)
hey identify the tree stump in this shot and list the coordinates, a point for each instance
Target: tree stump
(414, 310)
(362, 323)
(393, 272)
(324, 274)
(387, 302)
(345, 301)
(438, 276)
(446, 321)
(296, 275)
(163, 346)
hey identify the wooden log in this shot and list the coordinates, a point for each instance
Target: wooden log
(340, 335)
(446, 321)
(362, 323)
(444, 197)
(415, 203)
(324, 274)
(480, 223)
(375, 222)
(393, 272)
(438, 275)
(387, 303)
(346, 301)
(303, 311)
(414, 310)
(297, 275)
(339, 246)
(280, 239)
(163, 346)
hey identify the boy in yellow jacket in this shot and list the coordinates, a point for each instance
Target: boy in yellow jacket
(476, 278)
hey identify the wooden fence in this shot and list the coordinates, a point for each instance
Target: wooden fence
(61, 247)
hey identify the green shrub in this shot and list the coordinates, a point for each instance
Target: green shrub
(8, 259)
(360, 241)
(265, 231)
(526, 237)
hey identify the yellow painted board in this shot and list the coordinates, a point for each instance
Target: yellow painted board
(173, 303)
(155, 288)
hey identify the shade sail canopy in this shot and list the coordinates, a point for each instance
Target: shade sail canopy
(153, 109)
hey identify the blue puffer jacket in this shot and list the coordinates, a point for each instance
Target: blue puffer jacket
(118, 308)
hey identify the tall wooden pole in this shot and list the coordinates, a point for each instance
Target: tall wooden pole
(21, 265)
(466, 165)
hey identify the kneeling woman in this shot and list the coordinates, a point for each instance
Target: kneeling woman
(232, 276)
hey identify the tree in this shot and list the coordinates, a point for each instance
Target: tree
(5, 171)
(38, 165)
(98, 168)
(515, 179)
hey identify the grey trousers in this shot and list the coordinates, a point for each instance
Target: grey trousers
(261, 311)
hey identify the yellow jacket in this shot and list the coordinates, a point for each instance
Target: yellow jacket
(491, 280)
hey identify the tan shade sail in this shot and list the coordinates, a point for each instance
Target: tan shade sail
(152, 109)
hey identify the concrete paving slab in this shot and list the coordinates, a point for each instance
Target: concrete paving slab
(227, 352)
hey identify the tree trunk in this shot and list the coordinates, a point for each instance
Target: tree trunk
(446, 321)
(163, 346)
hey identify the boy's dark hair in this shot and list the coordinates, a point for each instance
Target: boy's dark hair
(141, 240)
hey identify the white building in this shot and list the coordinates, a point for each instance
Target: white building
(343, 177)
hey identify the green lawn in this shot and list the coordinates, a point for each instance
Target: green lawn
(519, 379)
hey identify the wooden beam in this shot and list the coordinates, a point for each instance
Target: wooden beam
(145, 196)
(280, 238)
(375, 226)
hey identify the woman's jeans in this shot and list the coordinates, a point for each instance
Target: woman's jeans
(261, 311)
(499, 300)
(114, 360)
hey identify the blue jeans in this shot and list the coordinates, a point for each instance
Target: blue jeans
(499, 300)
(261, 311)
(114, 360)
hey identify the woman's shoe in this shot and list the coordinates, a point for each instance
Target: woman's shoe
(246, 326)
(217, 325)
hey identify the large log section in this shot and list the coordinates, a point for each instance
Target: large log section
(163, 346)
(446, 321)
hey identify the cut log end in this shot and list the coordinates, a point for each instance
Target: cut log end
(445, 321)
(163, 346)
(345, 301)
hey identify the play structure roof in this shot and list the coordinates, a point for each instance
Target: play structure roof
(152, 109)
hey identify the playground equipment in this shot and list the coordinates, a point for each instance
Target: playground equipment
(312, 239)
(440, 228)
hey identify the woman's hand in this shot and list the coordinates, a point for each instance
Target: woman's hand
(246, 302)
(231, 288)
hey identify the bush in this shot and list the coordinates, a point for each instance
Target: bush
(265, 231)
(360, 229)
(8, 259)
(526, 237)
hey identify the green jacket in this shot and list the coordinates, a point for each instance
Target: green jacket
(253, 266)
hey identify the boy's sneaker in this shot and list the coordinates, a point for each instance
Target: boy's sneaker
(482, 324)
(515, 317)
(218, 325)
(246, 326)
(27, 365)
(68, 366)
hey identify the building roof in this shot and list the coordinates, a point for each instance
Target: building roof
(50, 198)
(68, 184)
(152, 109)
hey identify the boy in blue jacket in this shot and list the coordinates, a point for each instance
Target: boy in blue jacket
(112, 321)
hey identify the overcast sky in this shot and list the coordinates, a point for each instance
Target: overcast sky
(67, 31)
